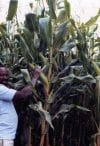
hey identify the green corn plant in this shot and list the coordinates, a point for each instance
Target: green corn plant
(47, 40)
(84, 44)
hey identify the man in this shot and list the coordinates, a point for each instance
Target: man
(8, 115)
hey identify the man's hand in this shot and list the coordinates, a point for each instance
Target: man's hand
(35, 74)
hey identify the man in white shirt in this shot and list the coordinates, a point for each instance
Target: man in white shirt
(8, 115)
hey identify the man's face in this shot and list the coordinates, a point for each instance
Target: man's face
(4, 74)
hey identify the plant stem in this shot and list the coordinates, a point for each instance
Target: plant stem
(98, 106)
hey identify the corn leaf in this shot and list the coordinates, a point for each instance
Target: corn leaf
(60, 33)
(46, 29)
(12, 9)
(67, 46)
(51, 4)
(92, 20)
(67, 8)
(25, 47)
(31, 22)
(26, 75)
(62, 16)
(43, 113)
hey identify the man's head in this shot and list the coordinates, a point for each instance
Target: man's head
(4, 74)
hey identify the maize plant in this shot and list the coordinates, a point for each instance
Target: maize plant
(64, 107)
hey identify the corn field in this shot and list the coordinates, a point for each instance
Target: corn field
(64, 109)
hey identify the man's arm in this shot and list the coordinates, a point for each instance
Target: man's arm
(23, 93)
(8, 94)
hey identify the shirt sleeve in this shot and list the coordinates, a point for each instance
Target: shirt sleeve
(6, 93)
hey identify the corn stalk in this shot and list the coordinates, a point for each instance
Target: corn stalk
(98, 106)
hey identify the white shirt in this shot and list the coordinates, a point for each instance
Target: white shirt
(8, 115)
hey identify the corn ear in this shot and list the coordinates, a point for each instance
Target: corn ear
(43, 59)
(95, 67)
(44, 79)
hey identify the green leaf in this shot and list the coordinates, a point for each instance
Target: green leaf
(60, 33)
(19, 84)
(26, 75)
(12, 9)
(97, 44)
(46, 29)
(25, 47)
(65, 108)
(82, 108)
(62, 16)
(32, 41)
(72, 77)
(92, 31)
(61, 30)
(36, 40)
(52, 7)
(67, 8)
(31, 22)
(67, 46)
(92, 20)
(43, 113)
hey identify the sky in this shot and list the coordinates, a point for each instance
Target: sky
(81, 9)
(84, 8)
